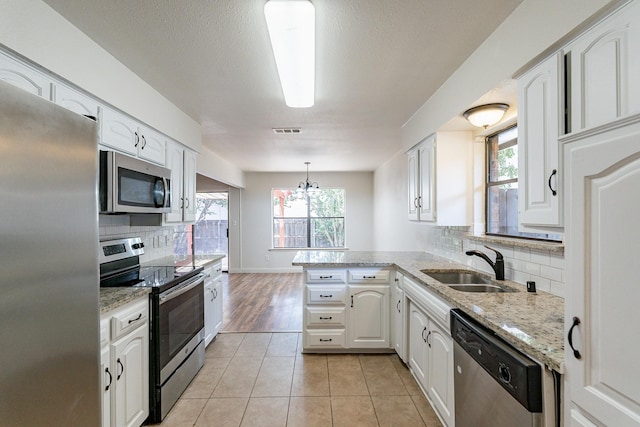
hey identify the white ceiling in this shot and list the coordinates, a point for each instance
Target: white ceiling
(377, 62)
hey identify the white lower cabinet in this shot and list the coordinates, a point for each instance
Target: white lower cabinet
(212, 301)
(125, 365)
(368, 316)
(398, 310)
(346, 309)
(430, 350)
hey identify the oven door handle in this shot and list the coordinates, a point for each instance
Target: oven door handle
(181, 289)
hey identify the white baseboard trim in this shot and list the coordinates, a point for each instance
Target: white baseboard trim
(267, 270)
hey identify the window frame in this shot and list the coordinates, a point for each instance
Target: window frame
(309, 220)
(545, 237)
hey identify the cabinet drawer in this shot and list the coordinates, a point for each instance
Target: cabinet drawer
(326, 276)
(326, 338)
(129, 319)
(324, 316)
(369, 276)
(326, 294)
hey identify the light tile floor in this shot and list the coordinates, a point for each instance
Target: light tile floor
(263, 379)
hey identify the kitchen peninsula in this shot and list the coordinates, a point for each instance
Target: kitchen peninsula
(531, 322)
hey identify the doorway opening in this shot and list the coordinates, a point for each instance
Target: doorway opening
(211, 228)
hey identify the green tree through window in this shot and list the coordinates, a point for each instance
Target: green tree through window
(313, 219)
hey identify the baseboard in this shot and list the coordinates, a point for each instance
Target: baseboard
(267, 270)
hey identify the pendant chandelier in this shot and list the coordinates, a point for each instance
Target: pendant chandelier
(306, 186)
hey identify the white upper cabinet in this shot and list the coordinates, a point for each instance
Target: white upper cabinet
(440, 172)
(128, 136)
(182, 163)
(603, 177)
(539, 176)
(605, 66)
(75, 101)
(24, 77)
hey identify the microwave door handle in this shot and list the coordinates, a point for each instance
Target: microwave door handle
(165, 198)
(160, 203)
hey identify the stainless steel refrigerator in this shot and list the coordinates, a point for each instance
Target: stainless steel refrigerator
(49, 310)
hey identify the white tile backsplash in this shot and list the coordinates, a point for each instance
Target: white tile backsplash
(158, 241)
(521, 264)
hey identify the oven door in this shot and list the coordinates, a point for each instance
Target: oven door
(180, 323)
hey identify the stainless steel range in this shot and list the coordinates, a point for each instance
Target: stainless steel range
(177, 317)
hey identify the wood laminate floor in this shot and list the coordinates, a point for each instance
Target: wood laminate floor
(259, 302)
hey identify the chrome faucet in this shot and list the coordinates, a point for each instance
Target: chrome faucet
(498, 266)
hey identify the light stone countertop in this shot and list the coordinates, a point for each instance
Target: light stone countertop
(532, 322)
(112, 298)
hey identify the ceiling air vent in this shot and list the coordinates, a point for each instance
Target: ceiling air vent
(286, 131)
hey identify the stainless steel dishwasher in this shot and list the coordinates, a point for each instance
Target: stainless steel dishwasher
(495, 385)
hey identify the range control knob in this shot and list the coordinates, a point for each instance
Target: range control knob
(505, 373)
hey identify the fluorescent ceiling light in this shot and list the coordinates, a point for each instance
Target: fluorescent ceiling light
(292, 30)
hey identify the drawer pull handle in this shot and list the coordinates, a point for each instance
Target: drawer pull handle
(326, 277)
(326, 318)
(326, 296)
(351, 300)
(136, 319)
(576, 353)
(423, 331)
(368, 277)
(329, 340)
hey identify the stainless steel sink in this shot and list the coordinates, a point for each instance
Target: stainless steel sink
(457, 277)
(478, 288)
(467, 281)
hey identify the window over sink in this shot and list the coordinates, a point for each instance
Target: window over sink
(502, 187)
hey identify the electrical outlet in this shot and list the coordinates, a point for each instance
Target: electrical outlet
(266, 258)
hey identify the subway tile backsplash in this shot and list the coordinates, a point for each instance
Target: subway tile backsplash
(544, 267)
(158, 241)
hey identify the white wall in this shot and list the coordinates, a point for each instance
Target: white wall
(213, 166)
(256, 208)
(527, 32)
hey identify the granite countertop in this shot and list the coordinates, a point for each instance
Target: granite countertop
(533, 323)
(112, 298)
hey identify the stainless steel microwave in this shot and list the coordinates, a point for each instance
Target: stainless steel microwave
(130, 185)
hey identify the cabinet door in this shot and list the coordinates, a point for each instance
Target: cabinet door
(119, 131)
(412, 166)
(440, 371)
(189, 214)
(539, 176)
(152, 146)
(26, 78)
(603, 173)
(605, 69)
(75, 101)
(107, 382)
(418, 329)
(130, 360)
(175, 162)
(209, 310)
(397, 318)
(368, 320)
(217, 306)
(426, 188)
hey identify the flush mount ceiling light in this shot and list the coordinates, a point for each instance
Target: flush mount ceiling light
(486, 115)
(291, 25)
(306, 186)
